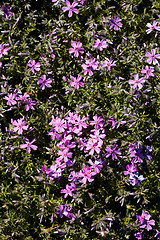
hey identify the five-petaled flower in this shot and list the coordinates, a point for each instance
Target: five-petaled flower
(10, 99)
(76, 48)
(29, 145)
(152, 57)
(34, 66)
(45, 82)
(137, 82)
(71, 8)
(76, 82)
(100, 44)
(115, 22)
(152, 27)
(20, 125)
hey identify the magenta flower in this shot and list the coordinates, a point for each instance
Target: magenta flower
(29, 104)
(71, 8)
(64, 154)
(92, 145)
(115, 22)
(10, 99)
(3, 50)
(97, 122)
(131, 169)
(138, 235)
(20, 125)
(86, 175)
(152, 57)
(76, 48)
(34, 66)
(76, 82)
(145, 222)
(69, 189)
(29, 145)
(148, 71)
(108, 63)
(112, 152)
(100, 44)
(152, 27)
(45, 82)
(90, 65)
(137, 82)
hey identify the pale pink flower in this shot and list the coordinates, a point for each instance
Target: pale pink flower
(137, 82)
(152, 27)
(100, 44)
(10, 99)
(148, 71)
(34, 66)
(76, 82)
(152, 57)
(20, 125)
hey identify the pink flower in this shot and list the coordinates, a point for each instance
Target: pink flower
(20, 125)
(152, 27)
(148, 71)
(70, 8)
(86, 175)
(100, 44)
(112, 152)
(34, 66)
(76, 48)
(45, 82)
(3, 50)
(108, 63)
(115, 22)
(76, 82)
(130, 170)
(29, 145)
(10, 99)
(137, 82)
(152, 57)
(69, 189)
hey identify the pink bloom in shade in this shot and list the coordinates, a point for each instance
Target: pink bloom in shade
(108, 63)
(76, 48)
(45, 82)
(152, 57)
(112, 152)
(71, 8)
(100, 44)
(22, 98)
(6, 11)
(138, 235)
(34, 66)
(152, 27)
(69, 189)
(115, 22)
(20, 125)
(86, 175)
(73, 177)
(157, 234)
(148, 71)
(137, 82)
(130, 170)
(10, 99)
(29, 145)
(3, 50)
(29, 104)
(76, 82)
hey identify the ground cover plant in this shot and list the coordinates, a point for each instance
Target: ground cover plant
(79, 119)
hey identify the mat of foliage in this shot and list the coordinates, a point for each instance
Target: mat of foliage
(79, 119)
